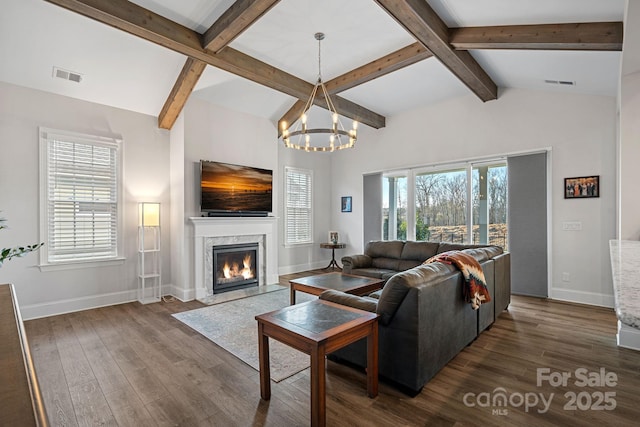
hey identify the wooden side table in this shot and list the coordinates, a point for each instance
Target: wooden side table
(333, 247)
(317, 328)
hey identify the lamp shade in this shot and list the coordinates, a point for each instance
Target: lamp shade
(149, 214)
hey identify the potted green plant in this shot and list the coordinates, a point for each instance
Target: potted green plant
(19, 251)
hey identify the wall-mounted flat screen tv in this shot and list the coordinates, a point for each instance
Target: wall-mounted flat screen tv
(227, 189)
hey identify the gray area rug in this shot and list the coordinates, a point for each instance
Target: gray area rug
(232, 326)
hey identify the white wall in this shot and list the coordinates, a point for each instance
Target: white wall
(579, 129)
(629, 156)
(146, 160)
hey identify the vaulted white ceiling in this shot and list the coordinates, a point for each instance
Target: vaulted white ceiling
(124, 71)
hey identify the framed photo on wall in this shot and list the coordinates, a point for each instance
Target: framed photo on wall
(582, 187)
(346, 204)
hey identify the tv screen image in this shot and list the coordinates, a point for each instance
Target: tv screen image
(228, 188)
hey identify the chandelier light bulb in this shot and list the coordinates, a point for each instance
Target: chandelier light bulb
(303, 119)
(335, 118)
(355, 125)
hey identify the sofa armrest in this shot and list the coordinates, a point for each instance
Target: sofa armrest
(355, 261)
(362, 303)
(502, 282)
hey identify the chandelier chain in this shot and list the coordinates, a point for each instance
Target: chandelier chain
(319, 59)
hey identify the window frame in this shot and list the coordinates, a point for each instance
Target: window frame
(114, 142)
(309, 174)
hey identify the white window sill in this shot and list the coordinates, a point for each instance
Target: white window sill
(72, 265)
(297, 245)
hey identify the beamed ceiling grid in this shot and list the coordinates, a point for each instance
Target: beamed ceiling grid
(433, 39)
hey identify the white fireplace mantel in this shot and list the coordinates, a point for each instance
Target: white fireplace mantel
(232, 230)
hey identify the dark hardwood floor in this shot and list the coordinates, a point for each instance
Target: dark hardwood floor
(135, 365)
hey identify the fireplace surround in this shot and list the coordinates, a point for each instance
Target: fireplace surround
(214, 231)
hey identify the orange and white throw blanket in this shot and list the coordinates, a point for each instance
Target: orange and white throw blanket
(475, 291)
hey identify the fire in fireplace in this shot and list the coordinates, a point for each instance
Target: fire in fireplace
(235, 267)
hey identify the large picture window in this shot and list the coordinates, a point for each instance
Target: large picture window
(80, 197)
(466, 204)
(298, 221)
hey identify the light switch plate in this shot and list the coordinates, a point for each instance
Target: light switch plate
(572, 226)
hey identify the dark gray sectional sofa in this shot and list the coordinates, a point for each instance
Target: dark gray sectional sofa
(424, 321)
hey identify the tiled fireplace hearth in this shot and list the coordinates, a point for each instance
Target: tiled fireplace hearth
(210, 232)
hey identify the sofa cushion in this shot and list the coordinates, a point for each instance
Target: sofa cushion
(478, 254)
(385, 262)
(399, 284)
(419, 251)
(445, 247)
(378, 273)
(493, 251)
(387, 249)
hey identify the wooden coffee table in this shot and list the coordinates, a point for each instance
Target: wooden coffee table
(347, 283)
(317, 328)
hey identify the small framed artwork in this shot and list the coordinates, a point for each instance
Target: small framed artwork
(582, 187)
(333, 237)
(346, 204)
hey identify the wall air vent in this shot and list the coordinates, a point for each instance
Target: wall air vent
(67, 75)
(560, 82)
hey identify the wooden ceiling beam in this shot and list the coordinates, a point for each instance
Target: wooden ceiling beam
(420, 20)
(189, 76)
(230, 25)
(392, 62)
(133, 19)
(599, 36)
(234, 21)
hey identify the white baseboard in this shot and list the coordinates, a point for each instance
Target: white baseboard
(581, 297)
(35, 311)
(54, 308)
(628, 337)
(180, 293)
(290, 269)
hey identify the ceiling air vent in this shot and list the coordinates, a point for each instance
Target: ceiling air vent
(560, 82)
(67, 75)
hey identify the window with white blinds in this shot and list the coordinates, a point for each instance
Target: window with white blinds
(80, 196)
(298, 220)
